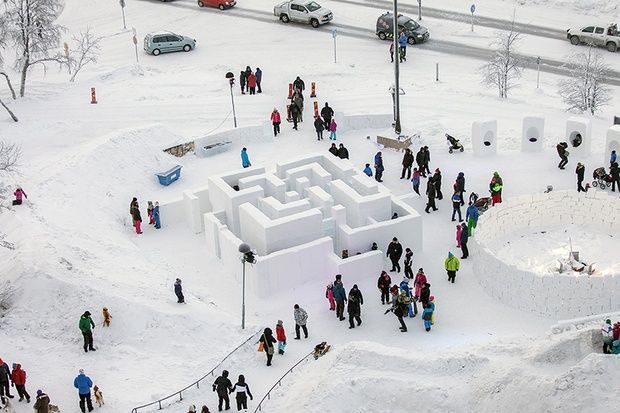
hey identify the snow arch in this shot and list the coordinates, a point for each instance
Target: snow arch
(484, 137)
(579, 136)
(533, 133)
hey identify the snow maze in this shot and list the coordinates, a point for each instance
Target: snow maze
(518, 242)
(298, 218)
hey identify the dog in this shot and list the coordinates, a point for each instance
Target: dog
(98, 396)
(107, 318)
(8, 407)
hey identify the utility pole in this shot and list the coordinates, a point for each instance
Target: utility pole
(419, 9)
(231, 80)
(397, 127)
(122, 3)
(538, 73)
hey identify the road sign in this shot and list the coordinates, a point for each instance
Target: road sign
(538, 60)
(334, 33)
(135, 40)
(122, 3)
(472, 8)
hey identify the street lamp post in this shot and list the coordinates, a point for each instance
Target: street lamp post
(248, 256)
(231, 79)
(397, 127)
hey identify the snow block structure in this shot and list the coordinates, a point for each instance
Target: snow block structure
(533, 134)
(298, 219)
(579, 136)
(484, 137)
(553, 295)
(612, 143)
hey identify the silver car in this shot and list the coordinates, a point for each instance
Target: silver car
(164, 42)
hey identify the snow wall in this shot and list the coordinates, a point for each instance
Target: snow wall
(555, 296)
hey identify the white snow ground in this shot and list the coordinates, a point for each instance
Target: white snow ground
(82, 163)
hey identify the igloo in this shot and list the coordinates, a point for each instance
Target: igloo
(579, 136)
(484, 137)
(533, 133)
(612, 143)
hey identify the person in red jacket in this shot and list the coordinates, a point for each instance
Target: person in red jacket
(281, 337)
(616, 331)
(19, 379)
(275, 120)
(252, 83)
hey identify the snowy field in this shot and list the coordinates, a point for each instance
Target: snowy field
(75, 249)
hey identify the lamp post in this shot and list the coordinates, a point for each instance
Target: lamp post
(231, 79)
(397, 127)
(248, 256)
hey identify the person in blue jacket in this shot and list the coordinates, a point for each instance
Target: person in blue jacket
(83, 383)
(404, 286)
(156, 215)
(245, 159)
(340, 296)
(379, 167)
(471, 216)
(427, 313)
(402, 47)
(368, 170)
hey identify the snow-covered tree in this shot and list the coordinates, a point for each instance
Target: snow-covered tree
(32, 30)
(84, 50)
(9, 156)
(505, 67)
(585, 90)
(2, 71)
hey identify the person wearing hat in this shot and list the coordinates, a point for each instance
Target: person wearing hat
(178, 290)
(191, 409)
(18, 376)
(222, 385)
(427, 313)
(452, 265)
(83, 383)
(42, 404)
(281, 337)
(86, 325)
(607, 332)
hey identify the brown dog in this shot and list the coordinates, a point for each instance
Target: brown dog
(107, 318)
(98, 396)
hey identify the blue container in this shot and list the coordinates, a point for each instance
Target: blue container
(168, 177)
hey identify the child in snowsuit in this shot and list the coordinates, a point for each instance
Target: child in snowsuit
(332, 129)
(281, 337)
(156, 215)
(459, 229)
(367, 170)
(427, 314)
(245, 159)
(149, 211)
(329, 294)
(107, 318)
(415, 181)
(19, 194)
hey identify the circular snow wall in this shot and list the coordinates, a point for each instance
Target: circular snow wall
(516, 243)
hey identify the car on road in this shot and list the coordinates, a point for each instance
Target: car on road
(303, 11)
(607, 37)
(220, 4)
(164, 42)
(414, 32)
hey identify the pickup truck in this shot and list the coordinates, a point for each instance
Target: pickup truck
(596, 36)
(308, 12)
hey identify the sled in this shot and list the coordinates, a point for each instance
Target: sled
(321, 349)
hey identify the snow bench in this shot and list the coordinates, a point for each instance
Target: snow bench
(171, 175)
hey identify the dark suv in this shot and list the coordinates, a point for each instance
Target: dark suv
(415, 33)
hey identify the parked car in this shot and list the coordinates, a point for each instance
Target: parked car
(596, 36)
(220, 4)
(415, 33)
(309, 12)
(164, 42)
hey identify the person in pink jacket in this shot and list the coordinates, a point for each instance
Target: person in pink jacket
(459, 230)
(420, 280)
(332, 129)
(19, 194)
(329, 294)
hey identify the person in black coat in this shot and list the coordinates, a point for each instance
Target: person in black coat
(5, 380)
(299, 84)
(295, 112)
(419, 159)
(242, 81)
(430, 192)
(425, 294)
(223, 386)
(327, 114)
(459, 186)
(408, 263)
(242, 391)
(580, 171)
(464, 239)
(427, 160)
(318, 126)
(437, 184)
(354, 306)
(383, 284)
(343, 153)
(259, 77)
(268, 341)
(407, 164)
(563, 153)
(614, 171)
(333, 150)
(394, 252)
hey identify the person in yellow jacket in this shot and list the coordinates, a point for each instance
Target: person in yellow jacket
(452, 265)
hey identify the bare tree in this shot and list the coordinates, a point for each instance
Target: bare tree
(86, 48)
(585, 90)
(505, 68)
(34, 34)
(9, 156)
(3, 29)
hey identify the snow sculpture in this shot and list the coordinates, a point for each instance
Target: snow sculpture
(578, 136)
(612, 143)
(533, 134)
(484, 138)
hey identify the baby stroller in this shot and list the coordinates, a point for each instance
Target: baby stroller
(602, 179)
(482, 204)
(454, 144)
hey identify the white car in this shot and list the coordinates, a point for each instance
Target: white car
(309, 12)
(596, 35)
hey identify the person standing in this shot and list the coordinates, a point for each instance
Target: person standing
(471, 216)
(136, 217)
(427, 313)
(452, 265)
(607, 332)
(268, 340)
(415, 181)
(425, 294)
(456, 206)
(301, 318)
(275, 121)
(327, 114)
(430, 193)
(18, 376)
(580, 171)
(383, 284)
(563, 153)
(86, 325)
(178, 291)
(83, 383)
(419, 160)
(614, 171)
(5, 380)
(242, 391)
(332, 129)
(252, 83)
(259, 78)
(408, 262)
(343, 153)
(333, 150)
(281, 337)
(427, 160)
(418, 283)
(368, 170)
(404, 286)
(495, 187)
(459, 186)
(295, 113)
(245, 158)
(437, 183)
(242, 80)
(399, 307)
(464, 238)
(407, 164)
(340, 296)
(223, 386)
(318, 127)
(149, 212)
(354, 306)
(402, 47)
(329, 294)
(248, 71)
(379, 167)
(42, 404)
(394, 252)
(299, 85)
(19, 195)
(391, 52)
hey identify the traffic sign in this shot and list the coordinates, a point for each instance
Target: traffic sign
(334, 33)
(472, 8)
(122, 3)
